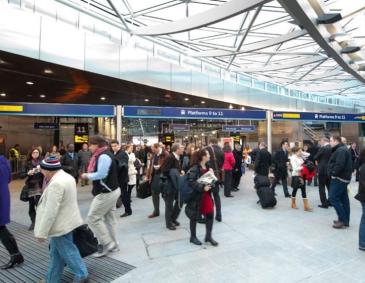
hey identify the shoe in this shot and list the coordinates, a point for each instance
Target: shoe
(218, 218)
(195, 241)
(114, 247)
(293, 203)
(235, 189)
(15, 259)
(336, 221)
(287, 196)
(171, 227)
(229, 196)
(323, 206)
(176, 223)
(103, 250)
(153, 215)
(338, 225)
(306, 205)
(211, 241)
(31, 227)
(361, 249)
(125, 214)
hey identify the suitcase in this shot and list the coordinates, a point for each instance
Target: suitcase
(266, 197)
(261, 181)
(144, 190)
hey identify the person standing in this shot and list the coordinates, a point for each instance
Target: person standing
(228, 164)
(216, 162)
(280, 168)
(33, 183)
(158, 157)
(187, 157)
(132, 180)
(58, 214)
(354, 158)
(263, 161)
(361, 197)
(171, 170)
(84, 155)
(201, 202)
(103, 171)
(237, 169)
(70, 162)
(53, 151)
(322, 158)
(7, 239)
(340, 171)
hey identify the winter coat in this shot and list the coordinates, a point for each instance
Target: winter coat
(132, 171)
(263, 162)
(84, 158)
(122, 160)
(33, 182)
(279, 163)
(5, 178)
(238, 157)
(322, 157)
(340, 163)
(170, 174)
(361, 193)
(69, 165)
(229, 161)
(58, 212)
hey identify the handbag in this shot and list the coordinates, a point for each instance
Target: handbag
(85, 240)
(144, 190)
(24, 194)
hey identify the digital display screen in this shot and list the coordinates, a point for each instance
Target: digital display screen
(149, 112)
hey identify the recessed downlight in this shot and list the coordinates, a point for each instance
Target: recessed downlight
(230, 106)
(243, 108)
(48, 71)
(102, 98)
(186, 99)
(3, 94)
(42, 96)
(146, 100)
(29, 83)
(202, 102)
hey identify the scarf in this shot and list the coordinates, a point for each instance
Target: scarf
(92, 164)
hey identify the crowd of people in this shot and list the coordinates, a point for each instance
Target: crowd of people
(114, 170)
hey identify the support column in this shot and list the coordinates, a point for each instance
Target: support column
(269, 130)
(119, 123)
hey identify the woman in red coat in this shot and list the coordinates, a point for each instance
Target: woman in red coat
(6, 237)
(228, 165)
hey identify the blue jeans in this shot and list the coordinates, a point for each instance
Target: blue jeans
(63, 252)
(340, 200)
(362, 228)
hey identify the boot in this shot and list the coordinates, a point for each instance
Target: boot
(193, 238)
(208, 237)
(293, 204)
(15, 259)
(306, 205)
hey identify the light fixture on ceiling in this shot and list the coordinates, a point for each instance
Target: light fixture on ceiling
(48, 71)
(102, 98)
(214, 132)
(230, 106)
(243, 108)
(2, 61)
(202, 102)
(3, 94)
(42, 96)
(339, 37)
(146, 100)
(350, 49)
(329, 18)
(361, 68)
(186, 99)
(29, 83)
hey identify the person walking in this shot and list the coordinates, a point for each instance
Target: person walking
(33, 183)
(298, 182)
(103, 171)
(228, 164)
(58, 214)
(7, 239)
(201, 201)
(340, 171)
(132, 180)
(361, 197)
(70, 162)
(171, 170)
(322, 158)
(263, 161)
(158, 157)
(84, 155)
(237, 169)
(280, 168)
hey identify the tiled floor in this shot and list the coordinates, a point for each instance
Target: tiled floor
(255, 245)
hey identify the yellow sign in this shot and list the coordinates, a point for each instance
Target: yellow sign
(11, 108)
(82, 139)
(291, 115)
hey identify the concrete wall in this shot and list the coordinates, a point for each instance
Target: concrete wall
(351, 131)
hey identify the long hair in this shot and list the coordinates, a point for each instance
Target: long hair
(29, 155)
(197, 156)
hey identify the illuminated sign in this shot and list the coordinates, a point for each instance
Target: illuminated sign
(11, 108)
(312, 116)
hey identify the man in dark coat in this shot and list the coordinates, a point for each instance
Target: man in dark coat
(263, 161)
(237, 170)
(216, 163)
(70, 162)
(321, 158)
(171, 169)
(280, 164)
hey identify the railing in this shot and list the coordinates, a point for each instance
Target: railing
(17, 166)
(313, 135)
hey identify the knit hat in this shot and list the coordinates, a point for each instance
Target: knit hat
(51, 163)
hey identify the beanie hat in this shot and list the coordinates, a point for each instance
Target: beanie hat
(51, 163)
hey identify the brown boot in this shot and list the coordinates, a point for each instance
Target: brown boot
(293, 204)
(306, 205)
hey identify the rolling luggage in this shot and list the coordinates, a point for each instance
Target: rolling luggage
(266, 197)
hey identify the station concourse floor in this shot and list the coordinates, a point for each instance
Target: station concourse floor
(255, 245)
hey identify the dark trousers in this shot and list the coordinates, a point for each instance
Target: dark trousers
(227, 182)
(33, 202)
(208, 226)
(298, 185)
(340, 200)
(362, 228)
(236, 178)
(156, 202)
(284, 183)
(172, 208)
(126, 200)
(8, 241)
(217, 202)
(323, 182)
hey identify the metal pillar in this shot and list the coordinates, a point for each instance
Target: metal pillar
(269, 130)
(119, 123)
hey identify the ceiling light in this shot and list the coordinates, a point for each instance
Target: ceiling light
(2, 61)
(29, 83)
(350, 49)
(102, 98)
(42, 96)
(214, 132)
(3, 94)
(202, 102)
(230, 106)
(186, 99)
(329, 18)
(243, 108)
(48, 71)
(146, 100)
(339, 37)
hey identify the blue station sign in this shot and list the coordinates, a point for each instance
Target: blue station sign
(191, 113)
(239, 129)
(312, 116)
(54, 109)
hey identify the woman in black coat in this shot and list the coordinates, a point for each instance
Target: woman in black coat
(361, 197)
(201, 201)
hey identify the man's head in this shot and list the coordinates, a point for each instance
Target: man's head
(50, 166)
(285, 145)
(114, 144)
(96, 142)
(85, 146)
(262, 145)
(324, 141)
(129, 148)
(178, 149)
(353, 145)
(70, 147)
(155, 148)
(138, 147)
(335, 140)
(237, 146)
(343, 140)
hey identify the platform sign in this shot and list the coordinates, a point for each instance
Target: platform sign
(81, 134)
(312, 116)
(54, 109)
(239, 129)
(180, 127)
(191, 113)
(46, 126)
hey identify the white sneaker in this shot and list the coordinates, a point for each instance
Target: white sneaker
(113, 247)
(102, 251)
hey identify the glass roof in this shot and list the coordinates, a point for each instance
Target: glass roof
(264, 41)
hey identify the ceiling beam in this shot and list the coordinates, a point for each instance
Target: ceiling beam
(118, 14)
